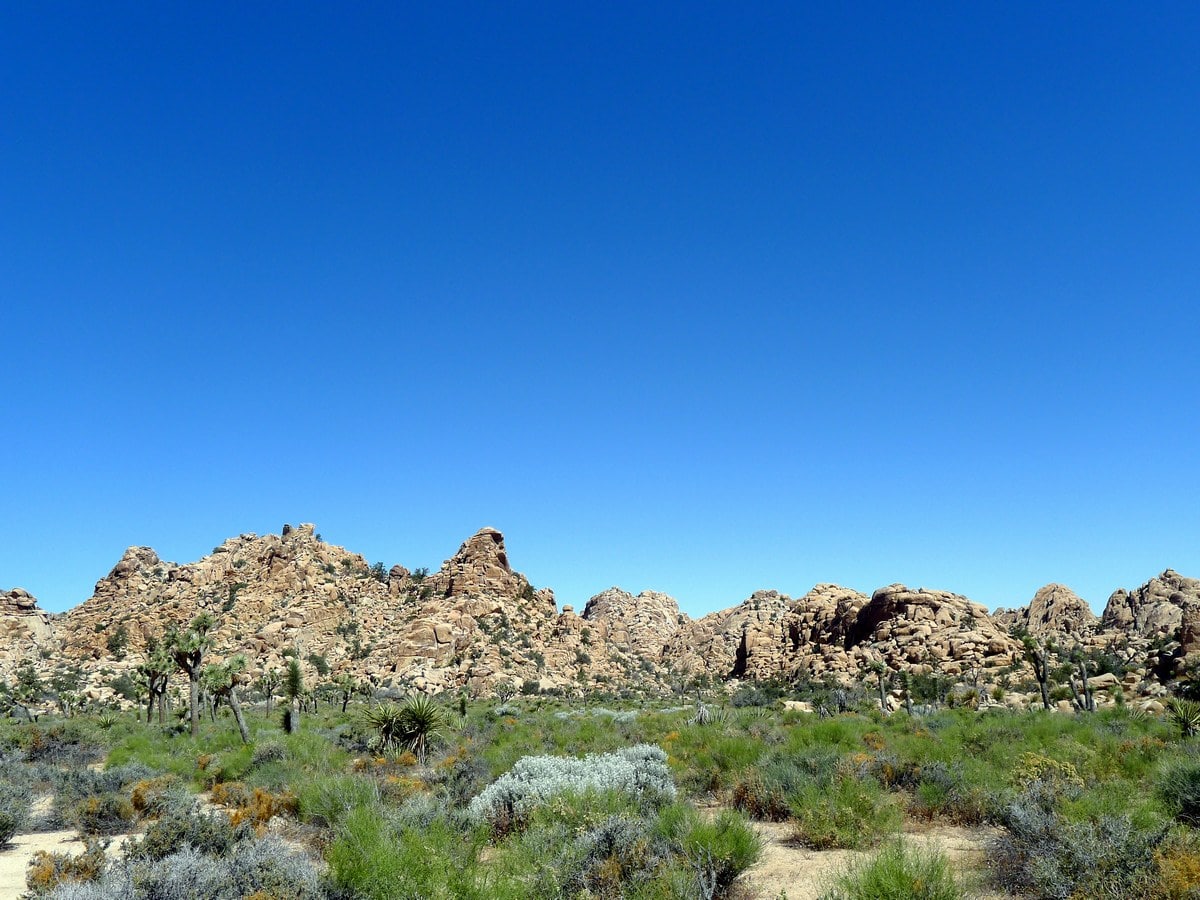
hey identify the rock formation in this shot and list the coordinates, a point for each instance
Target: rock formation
(1155, 608)
(1055, 611)
(26, 632)
(476, 624)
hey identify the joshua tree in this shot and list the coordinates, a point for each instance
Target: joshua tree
(1081, 695)
(221, 682)
(29, 689)
(268, 684)
(1038, 656)
(187, 649)
(881, 673)
(293, 688)
(154, 673)
(346, 686)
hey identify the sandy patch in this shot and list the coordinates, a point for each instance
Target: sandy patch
(789, 869)
(14, 859)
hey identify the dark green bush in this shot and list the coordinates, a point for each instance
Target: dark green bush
(1179, 789)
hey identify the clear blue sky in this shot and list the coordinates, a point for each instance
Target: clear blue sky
(693, 297)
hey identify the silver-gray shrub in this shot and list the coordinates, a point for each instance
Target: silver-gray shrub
(265, 866)
(14, 809)
(640, 772)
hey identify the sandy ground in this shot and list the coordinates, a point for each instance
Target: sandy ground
(802, 874)
(14, 859)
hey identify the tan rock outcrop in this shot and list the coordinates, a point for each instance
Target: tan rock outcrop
(642, 625)
(1055, 611)
(1155, 608)
(26, 632)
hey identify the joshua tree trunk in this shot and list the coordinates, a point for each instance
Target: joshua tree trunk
(1041, 671)
(236, 706)
(194, 700)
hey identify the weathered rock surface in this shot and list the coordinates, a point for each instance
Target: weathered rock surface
(1055, 611)
(477, 624)
(642, 625)
(932, 628)
(26, 631)
(1155, 608)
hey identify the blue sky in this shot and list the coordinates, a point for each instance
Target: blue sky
(696, 298)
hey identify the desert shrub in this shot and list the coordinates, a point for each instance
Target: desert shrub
(719, 851)
(327, 801)
(943, 790)
(254, 869)
(1177, 864)
(109, 813)
(1179, 789)
(896, 872)
(370, 860)
(261, 807)
(639, 772)
(1045, 855)
(48, 872)
(418, 811)
(268, 752)
(14, 809)
(150, 796)
(848, 812)
(762, 792)
(460, 777)
(210, 833)
(611, 859)
(94, 802)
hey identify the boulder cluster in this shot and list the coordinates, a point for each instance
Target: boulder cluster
(478, 625)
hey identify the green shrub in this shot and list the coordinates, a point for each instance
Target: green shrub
(1179, 789)
(897, 872)
(850, 812)
(327, 801)
(1045, 855)
(719, 851)
(370, 860)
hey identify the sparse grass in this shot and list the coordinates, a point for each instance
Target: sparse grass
(897, 872)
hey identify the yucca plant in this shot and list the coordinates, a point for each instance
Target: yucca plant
(107, 719)
(1185, 714)
(413, 725)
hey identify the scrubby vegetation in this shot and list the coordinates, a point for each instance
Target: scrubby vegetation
(537, 798)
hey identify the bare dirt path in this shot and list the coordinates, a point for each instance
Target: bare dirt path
(786, 868)
(14, 859)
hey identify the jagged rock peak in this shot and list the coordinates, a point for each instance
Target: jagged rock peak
(484, 547)
(481, 568)
(1057, 610)
(642, 624)
(134, 559)
(1156, 607)
(18, 602)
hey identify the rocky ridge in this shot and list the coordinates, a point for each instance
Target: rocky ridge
(477, 624)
